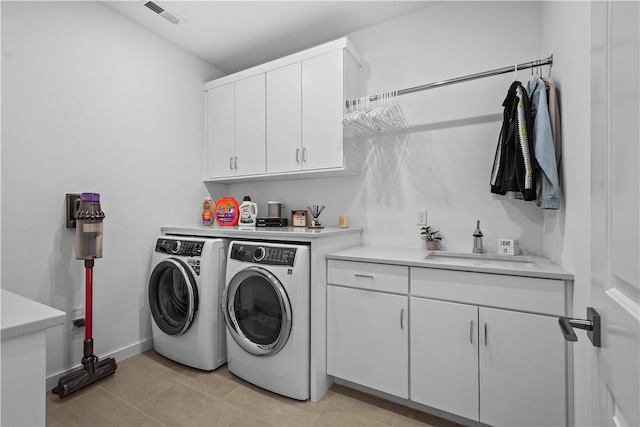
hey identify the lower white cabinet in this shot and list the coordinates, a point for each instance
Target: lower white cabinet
(486, 347)
(367, 339)
(499, 367)
(522, 369)
(444, 356)
(368, 325)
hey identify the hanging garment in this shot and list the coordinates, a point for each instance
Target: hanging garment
(514, 163)
(543, 149)
(553, 101)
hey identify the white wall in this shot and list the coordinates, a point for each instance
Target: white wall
(445, 163)
(566, 32)
(92, 102)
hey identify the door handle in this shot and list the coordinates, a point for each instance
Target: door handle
(402, 318)
(304, 155)
(235, 162)
(591, 325)
(231, 163)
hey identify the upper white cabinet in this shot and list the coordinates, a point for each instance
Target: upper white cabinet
(284, 115)
(236, 122)
(323, 89)
(221, 127)
(294, 127)
(250, 126)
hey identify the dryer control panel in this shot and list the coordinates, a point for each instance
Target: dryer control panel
(179, 247)
(263, 254)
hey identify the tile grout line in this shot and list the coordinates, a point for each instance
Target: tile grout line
(134, 407)
(221, 399)
(326, 405)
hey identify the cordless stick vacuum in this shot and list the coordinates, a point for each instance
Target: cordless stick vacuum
(89, 225)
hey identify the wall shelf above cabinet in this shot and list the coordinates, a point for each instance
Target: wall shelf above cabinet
(295, 130)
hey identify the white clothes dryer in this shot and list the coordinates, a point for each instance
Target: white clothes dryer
(185, 289)
(266, 305)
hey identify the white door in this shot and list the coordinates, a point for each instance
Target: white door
(284, 115)
(250, 122)
(615, 213)
(444, 356)
(220, 131)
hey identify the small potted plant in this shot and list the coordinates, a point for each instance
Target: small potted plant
(432, 237)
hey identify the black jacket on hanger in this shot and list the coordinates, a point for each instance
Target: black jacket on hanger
(514, 162)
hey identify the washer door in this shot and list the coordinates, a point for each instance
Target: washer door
(257, 311)
(173, 296)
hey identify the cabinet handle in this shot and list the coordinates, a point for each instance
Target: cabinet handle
(364, 276)
(231, 163)
(297, 155)
(485, 334)
(402, 318)
(471, 332)
(304, 154)
(236, 162)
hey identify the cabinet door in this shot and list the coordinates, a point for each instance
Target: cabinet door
(444, 356)
(250, 125)
(522, 369)
(322, 111)
(367, 339)
(284, 115)
(220, 131)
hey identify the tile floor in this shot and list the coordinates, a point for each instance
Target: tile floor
(150, 390)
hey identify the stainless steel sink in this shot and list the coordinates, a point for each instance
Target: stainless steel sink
(487, 260)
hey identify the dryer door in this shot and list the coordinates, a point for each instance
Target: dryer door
(173, 296)
(257, 311)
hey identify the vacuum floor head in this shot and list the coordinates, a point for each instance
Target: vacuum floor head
(82, 378)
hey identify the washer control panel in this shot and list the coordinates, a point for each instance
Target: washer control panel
(179, 247)
(263, 254)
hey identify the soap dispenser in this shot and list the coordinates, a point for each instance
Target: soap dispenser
(477, 240)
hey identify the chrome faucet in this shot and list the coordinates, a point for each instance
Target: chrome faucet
(477, 240)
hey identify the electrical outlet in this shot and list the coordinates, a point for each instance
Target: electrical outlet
(421, 217)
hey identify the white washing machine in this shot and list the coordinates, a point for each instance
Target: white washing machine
(185, 289)
(266, 305)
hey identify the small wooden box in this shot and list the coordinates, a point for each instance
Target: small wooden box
(299, 218)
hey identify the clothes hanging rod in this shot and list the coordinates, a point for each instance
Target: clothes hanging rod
(497, 71)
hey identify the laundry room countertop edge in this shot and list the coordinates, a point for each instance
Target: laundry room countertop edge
(21, 316)
(273, 233)
(414, 257)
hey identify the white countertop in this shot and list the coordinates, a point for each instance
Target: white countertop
(272, 233)
(21, 315)
(524, 265)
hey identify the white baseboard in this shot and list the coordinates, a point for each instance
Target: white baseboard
(119, 355)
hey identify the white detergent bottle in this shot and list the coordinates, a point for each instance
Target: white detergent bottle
(248, 213)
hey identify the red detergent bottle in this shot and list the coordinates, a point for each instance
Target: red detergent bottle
(226, 211)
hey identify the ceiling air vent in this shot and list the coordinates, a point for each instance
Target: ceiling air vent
(160, 11)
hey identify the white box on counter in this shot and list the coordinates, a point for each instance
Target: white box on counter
(508, 247)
